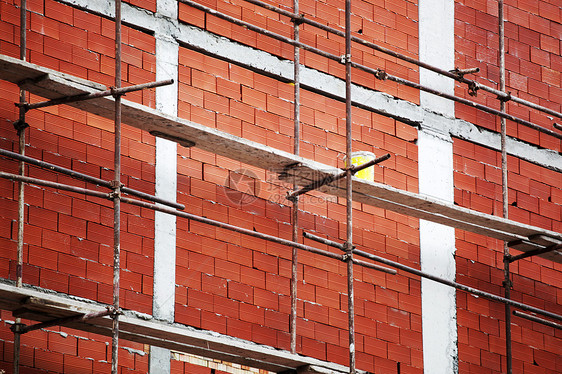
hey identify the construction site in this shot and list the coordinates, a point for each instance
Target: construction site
(248, 186)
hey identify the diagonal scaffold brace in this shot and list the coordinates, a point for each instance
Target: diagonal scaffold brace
(112, 91)
(20, 328)
(332, 178)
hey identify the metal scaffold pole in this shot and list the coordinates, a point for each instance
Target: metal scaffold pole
(349, 189)
(295, 212)
(381, 74)
(456, 74)
(20, 126)
(117, 195)
(505, 202)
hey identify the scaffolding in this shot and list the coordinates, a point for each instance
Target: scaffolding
(305, 175)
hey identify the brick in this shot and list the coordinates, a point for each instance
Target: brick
(313, 348)
(226, 307)
(86, 21)
(214, 285)
(252, 313)
(190, 15)
(549, 11)
(187, 315)
(316, 312)
(42, 218)
(265, 262)
(200, 300)
(48, 360)
(277, 320)
(55, 241)
(82, 287)
(59, 12)
(399, 353)
(99, 272)
(100, 44)
(266, 299)
(241, 292)
(140, 40)
(387, 332)
(93, 349)
(276, 283)
(230, 89)
(63, 344)
(540, 57)
(254, 98)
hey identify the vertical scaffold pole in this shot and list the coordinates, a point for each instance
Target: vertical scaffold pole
(505, 203)
(20, 128)
(349, 191)
(116, 197)
(295, 212)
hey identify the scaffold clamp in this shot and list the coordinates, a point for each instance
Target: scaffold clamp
(17, 328)
(298, 19)
(473, 88)
(20, 125)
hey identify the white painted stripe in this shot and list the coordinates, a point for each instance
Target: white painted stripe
(163, 301)
(377, 101)
(435, 168)
(166, 187)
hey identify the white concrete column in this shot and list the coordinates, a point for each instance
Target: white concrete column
(435, 149)
(166, 185)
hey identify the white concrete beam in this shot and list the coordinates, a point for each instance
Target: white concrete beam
(163, 302)
(312, 79)
(435, 168)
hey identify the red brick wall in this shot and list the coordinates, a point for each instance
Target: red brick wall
(238, 285)
(68, 238)
(392, 25)
(533, 34)
(241, 286)
(533, 199)
(533, 31)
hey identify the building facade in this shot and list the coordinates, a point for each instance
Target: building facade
(235, 80)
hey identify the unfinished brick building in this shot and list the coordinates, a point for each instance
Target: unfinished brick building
(175, 196)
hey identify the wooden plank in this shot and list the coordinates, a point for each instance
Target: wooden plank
(55, 85)
(41, 305)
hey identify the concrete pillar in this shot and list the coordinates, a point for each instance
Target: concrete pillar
(435, 149)
(166, 185)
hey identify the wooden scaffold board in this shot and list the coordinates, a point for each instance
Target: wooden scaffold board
(41, 305)
(52, 84)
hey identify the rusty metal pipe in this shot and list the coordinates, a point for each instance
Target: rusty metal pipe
(228, 226)
(534, 252)
(537, 319)
(507, 284)
(322, 240)
(340, 246)
(95, 95)
(59, 186)
(117, 199)
(64, 320)
(380, 74)
(87, 178)
(501, 94)
(295, 211)
(456, 285)
(21, 125)
(332, 178)
(349, 192)
(374, 266)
